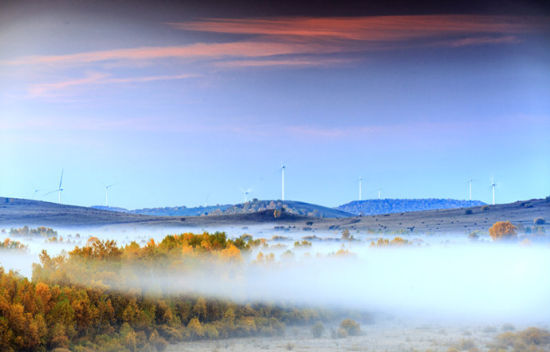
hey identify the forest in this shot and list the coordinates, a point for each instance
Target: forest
(71, 303)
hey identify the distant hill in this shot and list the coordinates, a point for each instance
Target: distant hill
(16, 211)
(19, 212)
(364, 207)
(184, 211)
(529, 215)
(290, 207)
(103, 207)
(388, 206)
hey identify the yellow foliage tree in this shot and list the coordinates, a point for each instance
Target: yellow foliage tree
(195, 328)
(231, 253)
(502, 230)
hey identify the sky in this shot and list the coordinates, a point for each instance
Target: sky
(191, 103)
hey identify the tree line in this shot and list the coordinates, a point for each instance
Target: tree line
(70, 301)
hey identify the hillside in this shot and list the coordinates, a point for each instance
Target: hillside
(389, 206)
(184, 211)
(365, 207)
(523, 214)
(526, 214)
(18, 212)
(291, 207)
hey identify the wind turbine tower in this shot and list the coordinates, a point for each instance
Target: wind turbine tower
(470, 188)
(60, 188)
(246, 192)
(360, 188)
(493, 185)
(283, 167)
(107, 188)
(379, 193)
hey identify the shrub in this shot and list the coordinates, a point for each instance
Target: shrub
(340, 333)
(159, 342)
(527, 339)
(346, 235)
(395, 242)
(539, 221)
(303, 243)
(318, 329)
(502, 230)
(466, 345)
(468, 212)
(351, 327)
(485, 208)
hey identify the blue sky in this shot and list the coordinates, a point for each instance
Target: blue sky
(188, 111)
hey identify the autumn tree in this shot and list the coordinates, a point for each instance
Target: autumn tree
(502, 230)
(351, 327)
(195, 328)
(318, 329)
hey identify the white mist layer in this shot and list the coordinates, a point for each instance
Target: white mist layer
(460, 280)
(482, 283)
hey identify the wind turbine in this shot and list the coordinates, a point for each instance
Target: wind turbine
(493, 186)
(246, 192)
(59, 189)
(283, 167)
(470, 188)
(107, 188)
(360, 188)
(379, 190)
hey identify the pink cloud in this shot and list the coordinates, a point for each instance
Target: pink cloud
(299, 62)
(510, 39)
(306, 35)
(200, 50)
(291, 42)
(44, 89)
(372, 28)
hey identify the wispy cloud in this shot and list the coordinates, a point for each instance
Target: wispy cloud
(284, 42)
(373, 28)
(509, 39)
(45, 89)
(297, 62)
(299, 36)
(201, 50)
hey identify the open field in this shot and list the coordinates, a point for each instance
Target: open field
(390, 335)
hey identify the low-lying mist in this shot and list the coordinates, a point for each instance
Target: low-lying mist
(470, 283)
(466, 281)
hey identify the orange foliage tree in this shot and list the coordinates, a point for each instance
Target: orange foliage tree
(502, 230)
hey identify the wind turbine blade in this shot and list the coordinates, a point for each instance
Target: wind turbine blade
(61, 179)
(55, 190)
